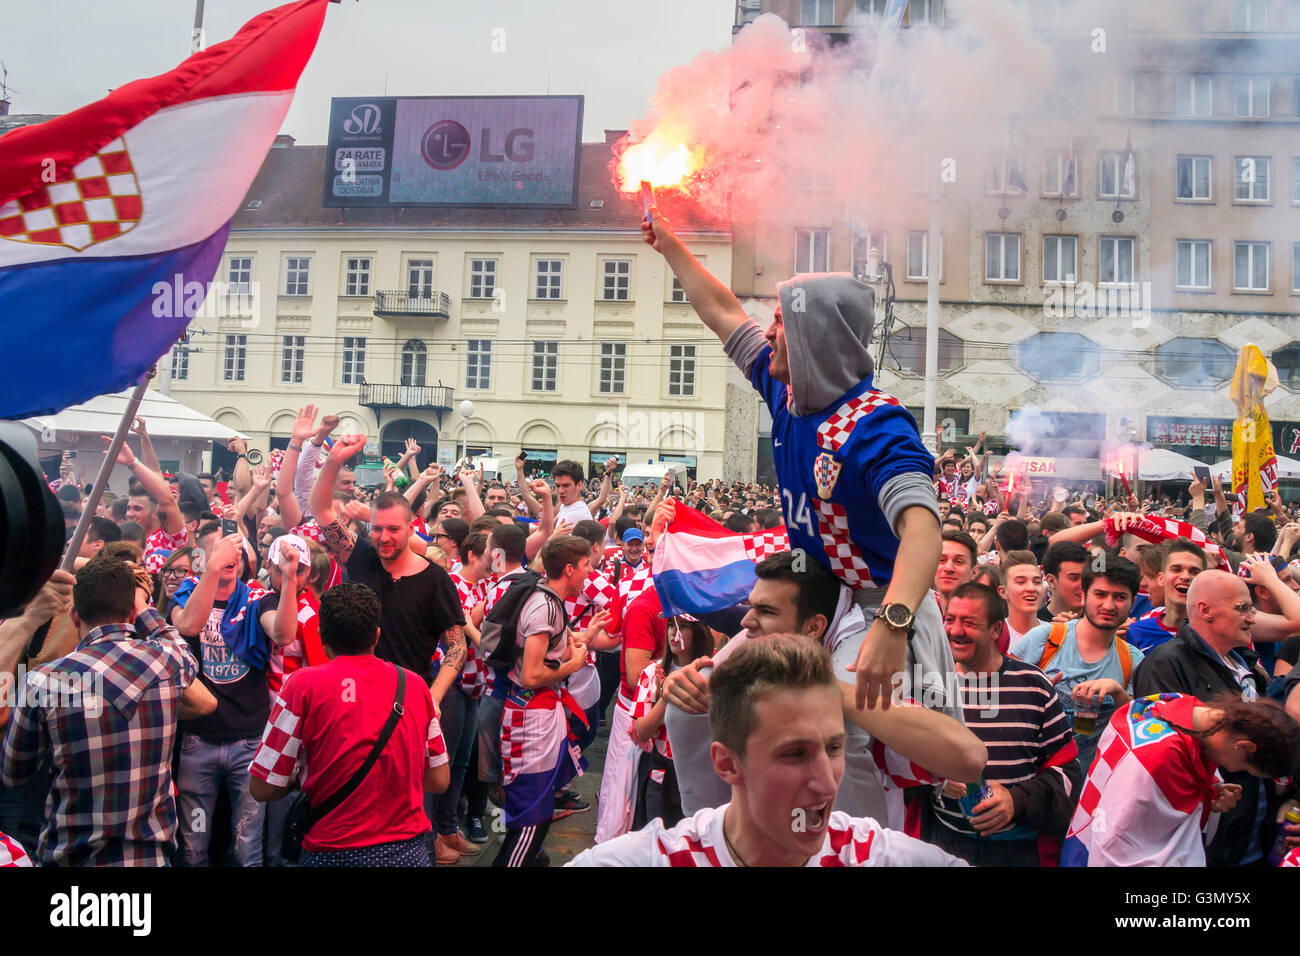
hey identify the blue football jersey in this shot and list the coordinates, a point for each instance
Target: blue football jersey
(848, 452)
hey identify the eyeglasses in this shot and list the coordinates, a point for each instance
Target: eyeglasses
(175, 572)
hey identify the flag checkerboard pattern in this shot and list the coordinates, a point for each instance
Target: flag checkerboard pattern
(845, 557)
(832, 433)
(100, 201)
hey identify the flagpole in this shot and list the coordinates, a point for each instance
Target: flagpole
(105, 469)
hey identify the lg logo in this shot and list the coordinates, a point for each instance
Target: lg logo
(445, 144)
(363, 121)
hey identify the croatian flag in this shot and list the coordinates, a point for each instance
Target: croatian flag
(700, 566)
(102, 205)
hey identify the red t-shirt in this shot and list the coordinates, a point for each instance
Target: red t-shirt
(644, 628)
(330, 716)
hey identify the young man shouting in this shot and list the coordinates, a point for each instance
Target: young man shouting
(778, 744)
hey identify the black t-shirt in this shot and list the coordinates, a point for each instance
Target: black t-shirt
(243, 698)
(1290, 650)
(415, 610)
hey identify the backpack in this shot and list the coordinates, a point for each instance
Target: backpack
(498, 641)
(1057, 637)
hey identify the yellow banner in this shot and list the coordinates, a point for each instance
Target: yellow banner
(1254, 463)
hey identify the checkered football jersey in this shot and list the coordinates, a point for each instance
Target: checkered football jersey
(1147, 796)
(98, 201)
(473, 678)
(596, 595)
(159, 546)
(874, 439)
(12, 853)
(1292, 859)
(698, 841)
(643, 701)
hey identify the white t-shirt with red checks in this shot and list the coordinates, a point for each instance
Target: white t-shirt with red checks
(12, 853)
(329, 717)
(643, 701)
(473, 677)
(698, 841)
(159, 545)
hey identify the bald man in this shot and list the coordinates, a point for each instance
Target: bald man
(1212, 654)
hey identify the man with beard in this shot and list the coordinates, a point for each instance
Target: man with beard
(1091, 667)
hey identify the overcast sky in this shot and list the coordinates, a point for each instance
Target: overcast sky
(63, 54)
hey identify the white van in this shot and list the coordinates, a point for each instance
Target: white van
(496, 469)
(652, 473)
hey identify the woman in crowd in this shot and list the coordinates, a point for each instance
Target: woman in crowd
(178, 566)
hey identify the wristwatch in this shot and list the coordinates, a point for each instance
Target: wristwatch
(898, 616)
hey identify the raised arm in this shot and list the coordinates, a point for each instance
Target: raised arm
(241, 478)
(286, 482)
(933, 740)
(525, 491)
(715, 304)
(189, 620)
(337, 538)
(473, 506)
(546, 524)
(147, 453)
(606, 486)
(154, 485)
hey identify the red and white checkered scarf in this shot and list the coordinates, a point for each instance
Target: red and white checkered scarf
(1156, 530)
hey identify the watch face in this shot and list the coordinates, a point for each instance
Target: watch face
(897, 615)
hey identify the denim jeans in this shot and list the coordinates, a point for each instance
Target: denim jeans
(489, 738)
(459, 723)
(205, 767)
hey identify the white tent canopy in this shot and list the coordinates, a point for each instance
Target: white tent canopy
(164, 416)
(1286, 468)
(1161, 464)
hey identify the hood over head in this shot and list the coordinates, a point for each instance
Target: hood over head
(828, 319)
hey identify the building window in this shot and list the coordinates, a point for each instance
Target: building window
(1116, 259)
(1195, 96)
(239, 276)
(918, 254)
(812, 178)
(616, 280)
(415, 363)
(1059, 356)
(293, 352)
(1252, 95)
(817, 13)
(812, 250)
(613, 368)
(1250, 266)
(1118, 175)
(874, 8)
(862, 245)
(482, 278)
(297, 275)
(681, 371)
(354, 360)
(1194, 177)
(357, 276)
(1249, 16)
(478, 363)
(905, 351)
(546, 363)
(675, 291)
(236, 354)
(419, 279)
(1295, 267)
(1004, 176)
(1060, 176)
(1060, 258)
(926, 11)
(1250, 178)
(180, 362)
(1193, 263)
(549, 274)
(1123, 94)
(1195, 363)
(1002, 257)
(1287, 362)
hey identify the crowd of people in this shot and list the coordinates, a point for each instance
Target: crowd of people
(940, 665)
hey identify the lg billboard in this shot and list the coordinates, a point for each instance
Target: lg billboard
(517, 151)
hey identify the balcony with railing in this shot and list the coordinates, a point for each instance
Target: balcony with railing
(436, 398)
(436, 305)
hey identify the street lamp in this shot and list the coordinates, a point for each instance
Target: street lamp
(466, 410)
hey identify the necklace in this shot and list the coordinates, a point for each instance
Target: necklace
(731, 849)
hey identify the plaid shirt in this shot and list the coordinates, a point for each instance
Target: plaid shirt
(111, 803)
